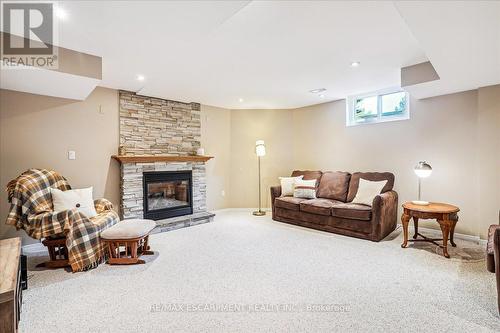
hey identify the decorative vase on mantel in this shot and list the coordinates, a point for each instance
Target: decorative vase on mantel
(121, 150)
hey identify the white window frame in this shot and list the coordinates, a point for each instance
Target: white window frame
(351, 103)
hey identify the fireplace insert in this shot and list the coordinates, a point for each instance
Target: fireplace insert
(167, 194)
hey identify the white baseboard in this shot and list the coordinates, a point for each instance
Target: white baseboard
(239, 210)
(34, 248)
(39, 247)
(470, 238)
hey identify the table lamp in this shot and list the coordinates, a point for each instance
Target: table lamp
(260, 150)
(422, 170)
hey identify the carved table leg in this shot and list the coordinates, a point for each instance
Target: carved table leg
(415, 222)
(452, 232)
(405, 219)
(445, 229)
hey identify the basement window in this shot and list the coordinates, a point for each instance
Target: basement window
(376, 107)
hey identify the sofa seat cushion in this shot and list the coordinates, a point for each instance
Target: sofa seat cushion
(288, 202)
(352, 211)
(318, 206)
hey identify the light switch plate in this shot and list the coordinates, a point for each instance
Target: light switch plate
(71, 155)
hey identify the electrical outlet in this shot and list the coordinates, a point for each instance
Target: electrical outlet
(71, 155)
(223, 193)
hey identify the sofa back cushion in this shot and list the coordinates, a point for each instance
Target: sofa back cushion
(372, 176)
(308, 175)
(334, 185)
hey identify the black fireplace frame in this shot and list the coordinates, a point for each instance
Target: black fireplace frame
(157, 176)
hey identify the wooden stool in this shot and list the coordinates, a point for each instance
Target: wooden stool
(132, 236)
(58, 253)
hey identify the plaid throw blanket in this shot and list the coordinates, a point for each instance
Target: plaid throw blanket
(32, 210)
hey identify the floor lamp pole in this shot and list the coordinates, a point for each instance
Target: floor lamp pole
(259, 212)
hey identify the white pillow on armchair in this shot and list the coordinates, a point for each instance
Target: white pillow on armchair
(80, 199)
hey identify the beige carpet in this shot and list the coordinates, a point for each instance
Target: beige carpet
(251, 274)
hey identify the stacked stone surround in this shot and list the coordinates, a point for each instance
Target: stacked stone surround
(154, 126)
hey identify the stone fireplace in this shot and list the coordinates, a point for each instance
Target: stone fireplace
(161, 179)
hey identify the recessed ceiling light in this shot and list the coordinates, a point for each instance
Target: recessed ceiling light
(240, 100)
(140, 78)
(355, 64)
(321, 95)
(317, 91)
(60, 13)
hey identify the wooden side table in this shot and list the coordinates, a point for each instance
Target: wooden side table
(445, 214)
(10, 284)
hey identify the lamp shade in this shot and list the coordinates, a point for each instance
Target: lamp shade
(423, 169)
(260, 148)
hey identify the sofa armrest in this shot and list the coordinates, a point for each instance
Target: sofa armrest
(275, 192)
(385, 211)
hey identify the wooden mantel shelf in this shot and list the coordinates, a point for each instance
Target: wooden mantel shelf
(159, 158)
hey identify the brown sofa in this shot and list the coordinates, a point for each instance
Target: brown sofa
(333, 211)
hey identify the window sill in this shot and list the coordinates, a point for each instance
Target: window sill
(378, 121)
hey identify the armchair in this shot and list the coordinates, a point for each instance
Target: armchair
(71, 237)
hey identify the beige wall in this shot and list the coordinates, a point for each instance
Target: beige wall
(37, 131)
(215, 139)
(488, 156)
(247, 126)
(458, 134)
(442, 130)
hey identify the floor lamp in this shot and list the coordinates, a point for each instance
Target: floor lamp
(260, 150)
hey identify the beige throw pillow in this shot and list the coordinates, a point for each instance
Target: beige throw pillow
(80, 199)
(305, 189)
(367, 191)
(287, 184)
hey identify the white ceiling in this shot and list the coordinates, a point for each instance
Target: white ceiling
(271, 53)
(462, 41)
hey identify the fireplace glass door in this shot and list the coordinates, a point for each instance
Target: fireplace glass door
(167, 194)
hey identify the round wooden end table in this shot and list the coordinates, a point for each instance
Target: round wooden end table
(445, 214)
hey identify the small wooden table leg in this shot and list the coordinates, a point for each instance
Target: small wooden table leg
(452, 232)
(405, 219)
(415, 223)
(445, 229)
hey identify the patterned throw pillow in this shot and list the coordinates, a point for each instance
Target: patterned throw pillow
(287, 184)
(305, 189)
